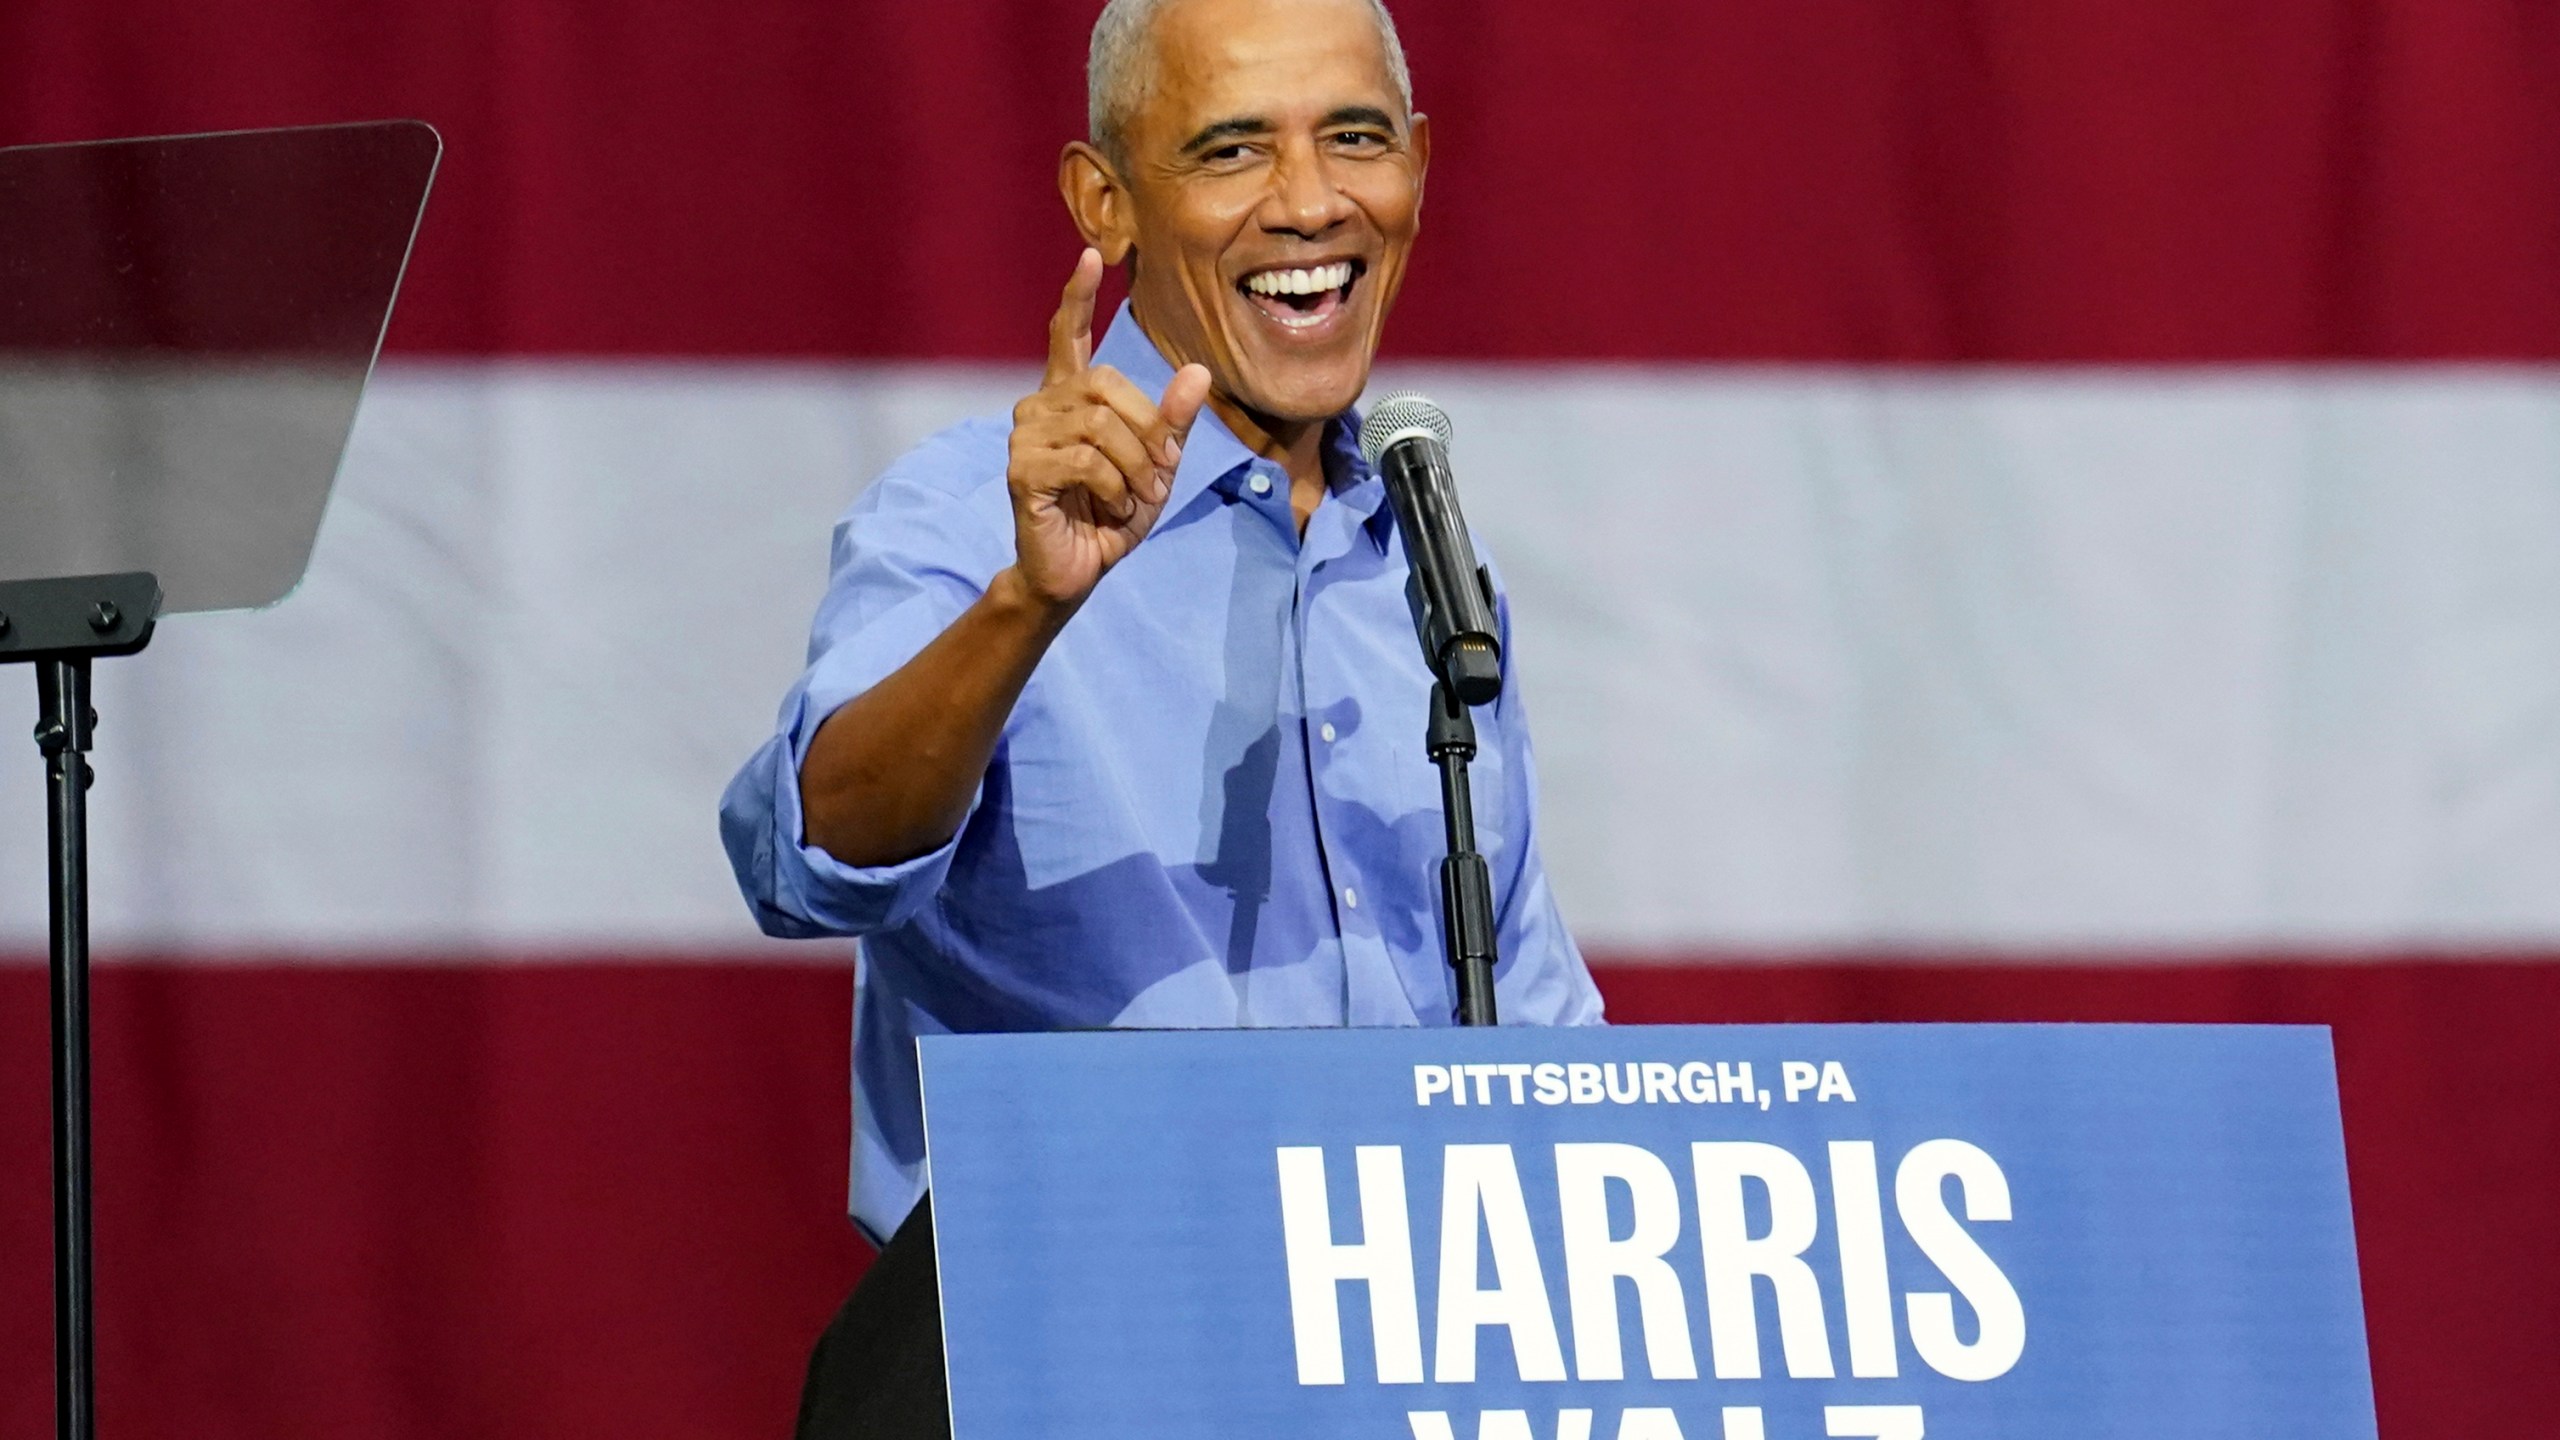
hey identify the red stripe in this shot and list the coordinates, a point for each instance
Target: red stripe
(427, 1204)
(501, 1201)
(2011, 180)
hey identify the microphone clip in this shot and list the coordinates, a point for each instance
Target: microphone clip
(1468, 662)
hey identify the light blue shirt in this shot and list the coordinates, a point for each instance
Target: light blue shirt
(1211, 806)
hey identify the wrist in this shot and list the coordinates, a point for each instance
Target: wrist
(1012, 595)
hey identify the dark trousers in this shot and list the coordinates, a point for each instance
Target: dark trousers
(877, 1371)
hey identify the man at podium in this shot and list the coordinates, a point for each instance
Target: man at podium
(1114, 712)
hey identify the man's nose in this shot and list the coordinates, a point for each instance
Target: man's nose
(1304, 200)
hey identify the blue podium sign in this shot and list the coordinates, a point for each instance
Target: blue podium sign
(1647, 1233)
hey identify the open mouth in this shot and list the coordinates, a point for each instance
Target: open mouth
(1304, 297)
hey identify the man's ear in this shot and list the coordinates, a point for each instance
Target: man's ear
(1097, 200)
(1419, 130)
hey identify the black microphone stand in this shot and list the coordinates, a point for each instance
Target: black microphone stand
(61, 626)
(1406, 439)
(1466, 882)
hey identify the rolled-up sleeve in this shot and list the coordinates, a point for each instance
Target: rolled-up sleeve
(915, 551)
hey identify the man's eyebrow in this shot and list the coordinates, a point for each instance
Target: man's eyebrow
(1246, 126)
(1238, 128)
(1360, 115)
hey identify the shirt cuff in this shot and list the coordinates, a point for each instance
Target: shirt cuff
(798, 890)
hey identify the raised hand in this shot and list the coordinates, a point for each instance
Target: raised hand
(1092, 457)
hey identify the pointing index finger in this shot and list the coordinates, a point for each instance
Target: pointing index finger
(1138, 411)
(1071, 329)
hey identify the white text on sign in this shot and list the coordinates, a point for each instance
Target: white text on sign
(1484, 1209)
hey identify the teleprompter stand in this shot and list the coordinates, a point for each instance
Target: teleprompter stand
(61, 626)
(186, 328)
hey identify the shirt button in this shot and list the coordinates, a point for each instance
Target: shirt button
(1261, 484)
(1350, 898)
(1327, 732)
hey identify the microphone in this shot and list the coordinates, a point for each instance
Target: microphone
(1406, 440)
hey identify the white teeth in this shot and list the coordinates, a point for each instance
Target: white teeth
(1300, 282)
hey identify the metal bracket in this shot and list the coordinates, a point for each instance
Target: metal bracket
(76, 615)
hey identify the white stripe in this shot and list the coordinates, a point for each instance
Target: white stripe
(2212, 658)
(1817, 658)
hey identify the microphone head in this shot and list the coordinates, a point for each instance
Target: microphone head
(1398, 416)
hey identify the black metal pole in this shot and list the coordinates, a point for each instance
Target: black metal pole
(63, 732)
(61, 625)
(1466, 882)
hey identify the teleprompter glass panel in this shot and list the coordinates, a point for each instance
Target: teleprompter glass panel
(186, 326)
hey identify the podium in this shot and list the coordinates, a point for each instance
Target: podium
(1647, 1233)
(186, 327)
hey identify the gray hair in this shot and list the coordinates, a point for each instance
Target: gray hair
(1121, 67)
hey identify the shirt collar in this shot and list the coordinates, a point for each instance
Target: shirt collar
(1362, 490)
(1213, 453)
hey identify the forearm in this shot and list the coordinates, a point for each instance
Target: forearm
(889, 775)
(1088, 467)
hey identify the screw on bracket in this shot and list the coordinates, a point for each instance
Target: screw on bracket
(106, 617)
(4, 623)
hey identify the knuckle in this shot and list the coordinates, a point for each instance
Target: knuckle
(1037, 472)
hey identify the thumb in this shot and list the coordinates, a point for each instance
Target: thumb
(1183, 397)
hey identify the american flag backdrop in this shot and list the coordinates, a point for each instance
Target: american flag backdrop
(2016, 509)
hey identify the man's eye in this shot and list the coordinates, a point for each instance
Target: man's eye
(1359, 140)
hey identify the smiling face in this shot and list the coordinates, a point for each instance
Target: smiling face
(1270, 187)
